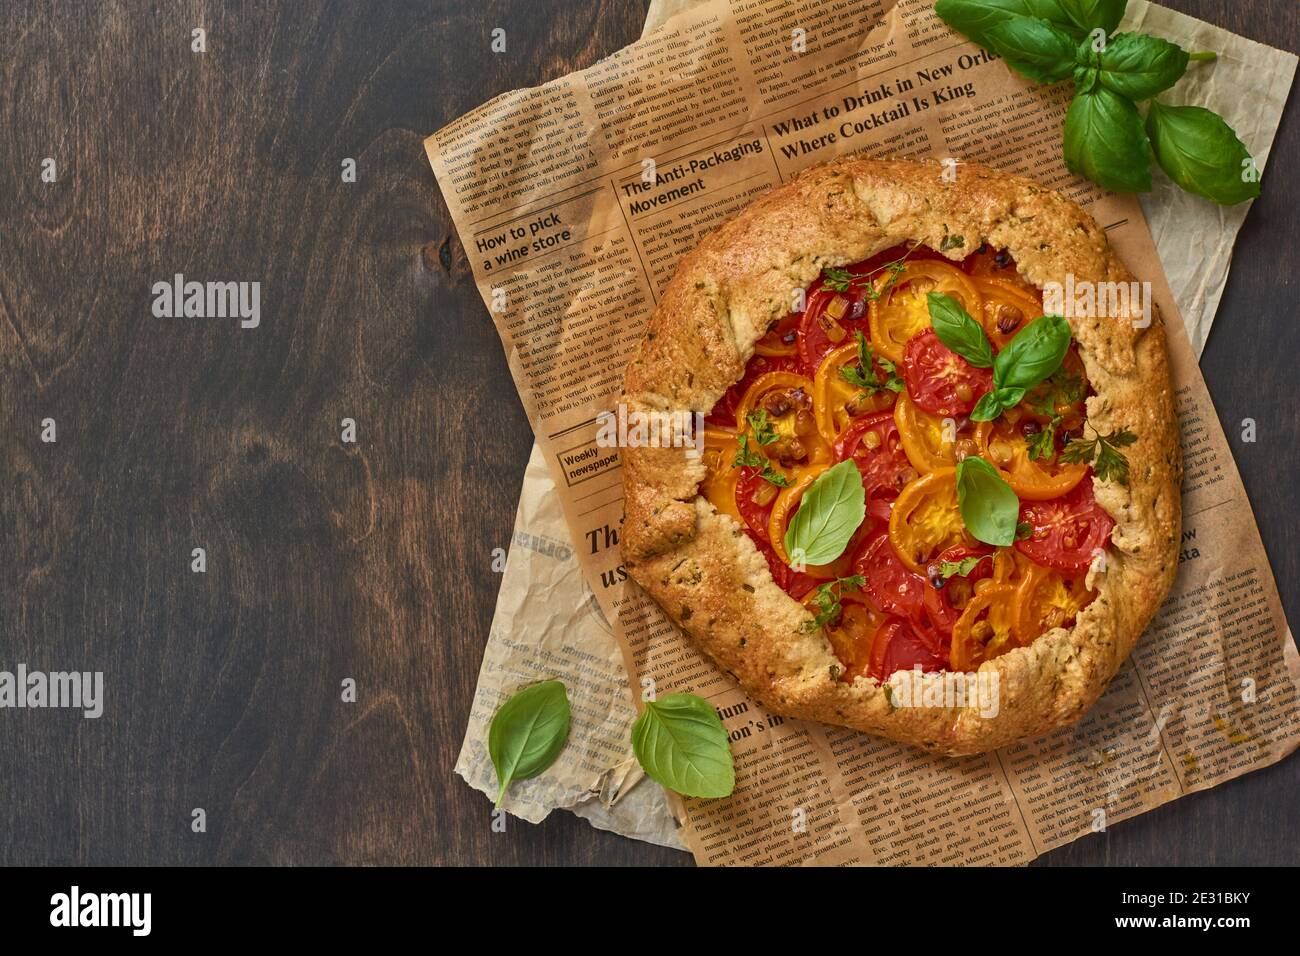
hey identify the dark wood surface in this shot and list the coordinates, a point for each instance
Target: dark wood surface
(327, 560)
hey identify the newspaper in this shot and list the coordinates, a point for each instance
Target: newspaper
(541, 184)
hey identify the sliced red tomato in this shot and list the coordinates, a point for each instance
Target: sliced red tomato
(902, 644)
(876, 448)
(831, 317)
(755, 496)
(939, 380)
(944, 603)
(890, 587)
(1065, 531)
(724, 413)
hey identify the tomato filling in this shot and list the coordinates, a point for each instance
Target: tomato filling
(860, 375)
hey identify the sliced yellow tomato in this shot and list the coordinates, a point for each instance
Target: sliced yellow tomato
(837, 402)
(926, 437)
(1006, 308)
(926, 520)
(1006, 448)
(788, 426)
(900, 309)
(1048, 599)
(984, 630)
(719, 484)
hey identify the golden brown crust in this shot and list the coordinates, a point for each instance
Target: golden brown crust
(707, 574)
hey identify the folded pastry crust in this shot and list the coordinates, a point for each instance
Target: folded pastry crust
(706, 573)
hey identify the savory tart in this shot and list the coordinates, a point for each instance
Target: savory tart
(909, 471)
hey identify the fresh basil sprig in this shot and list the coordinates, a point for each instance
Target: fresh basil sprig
(528, 732)
(1133, 65)
(1105, 138)
(1195, 147)
(1104, 141)
(1093, 14)
(957, 330)
(989, 507)
(829, 514)
(976, 18)
(1034, 354)
(681, 743)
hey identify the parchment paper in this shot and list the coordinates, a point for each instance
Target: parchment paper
(549, 623)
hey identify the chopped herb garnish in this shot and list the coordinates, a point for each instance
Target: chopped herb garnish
(962, 568)
(864, 374)
(764, 433)
(1062, 388)
(1023, 530)
(1103, 453)
(748, 458)
(827, 599)
(952, 242)
(838, 279)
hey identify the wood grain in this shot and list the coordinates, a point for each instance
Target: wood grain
(328, 560)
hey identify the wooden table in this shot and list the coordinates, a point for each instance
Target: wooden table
(327, 560)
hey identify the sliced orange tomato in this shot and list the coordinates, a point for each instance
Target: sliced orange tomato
(852, 634)
(719, 484)
(900, 309)
(1048, 599)
(837, 402)
(926, 437)
(926, 520)
(1010, 567)
(1006, 448)
(1006, 309)
(984, 630)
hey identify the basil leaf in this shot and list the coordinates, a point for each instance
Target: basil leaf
(994, 403)
(681, 743)
(528, 732)
(1136, 65)
(828, 515)
(1035, 353)
(1201, 153)
(1034, 48)
(1105, 142)
(975, 18)
(1085, 78)
(957, 330)
(989, 508)
(1088, 15)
